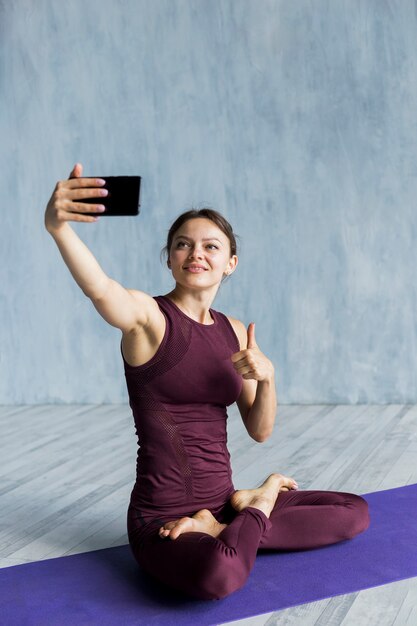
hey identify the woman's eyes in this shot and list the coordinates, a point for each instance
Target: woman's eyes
(180, 243)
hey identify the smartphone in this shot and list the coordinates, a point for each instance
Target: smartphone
(123, 197)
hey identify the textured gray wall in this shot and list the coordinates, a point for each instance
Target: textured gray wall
(296, 119)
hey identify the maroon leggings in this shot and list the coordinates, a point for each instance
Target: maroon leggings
(211, 568)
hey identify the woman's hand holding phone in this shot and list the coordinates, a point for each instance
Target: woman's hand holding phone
(66, 204)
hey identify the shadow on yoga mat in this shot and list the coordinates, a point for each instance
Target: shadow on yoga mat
(106, 586)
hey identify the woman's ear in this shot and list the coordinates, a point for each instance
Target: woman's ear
(230, 270)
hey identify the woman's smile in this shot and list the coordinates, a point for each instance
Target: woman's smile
(195, 269)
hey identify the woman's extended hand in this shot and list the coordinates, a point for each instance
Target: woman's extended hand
(252, 363)
(63, 204)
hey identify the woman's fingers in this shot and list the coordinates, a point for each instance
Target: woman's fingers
(76, 217)
(76, 183)
(63, 205)
(68, 205)
(78, 193)
(243, 367)
(76, 171)
(78, 207)
(63, 186)
(66, 197)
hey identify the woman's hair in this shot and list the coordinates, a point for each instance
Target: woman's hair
(209, 214)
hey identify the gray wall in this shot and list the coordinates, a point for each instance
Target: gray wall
(296, 119)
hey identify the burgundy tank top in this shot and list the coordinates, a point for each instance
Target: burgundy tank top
(178, 400)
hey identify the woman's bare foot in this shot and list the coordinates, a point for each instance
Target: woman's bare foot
(202, 522)
(265, 496)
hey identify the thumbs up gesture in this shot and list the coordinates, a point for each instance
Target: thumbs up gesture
(251, 362)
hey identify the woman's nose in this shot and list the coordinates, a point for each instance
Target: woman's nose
(196, 253)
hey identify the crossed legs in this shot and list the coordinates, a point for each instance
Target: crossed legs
(209, 559)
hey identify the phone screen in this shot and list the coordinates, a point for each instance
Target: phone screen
(123, 197)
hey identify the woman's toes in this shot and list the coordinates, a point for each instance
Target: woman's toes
(166, 529)
(163, 532)
(175, 528)
(182, 526)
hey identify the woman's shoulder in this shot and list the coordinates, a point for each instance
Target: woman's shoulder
(240, 330)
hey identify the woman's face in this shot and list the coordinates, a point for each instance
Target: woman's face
(200, 253)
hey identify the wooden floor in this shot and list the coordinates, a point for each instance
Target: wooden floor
(66, 473)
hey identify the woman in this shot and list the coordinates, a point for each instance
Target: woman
(184, 364)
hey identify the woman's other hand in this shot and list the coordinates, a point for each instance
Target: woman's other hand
(64, 204)
(252, 363)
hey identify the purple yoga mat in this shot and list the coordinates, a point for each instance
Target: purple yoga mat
(106, 587)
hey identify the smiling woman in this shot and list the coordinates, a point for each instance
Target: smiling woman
(200, 244)
(185, 363)
(223, 238)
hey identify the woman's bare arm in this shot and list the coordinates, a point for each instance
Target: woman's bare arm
(257, 402)
(120, 307)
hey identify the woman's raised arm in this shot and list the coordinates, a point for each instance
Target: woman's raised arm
(120, 307)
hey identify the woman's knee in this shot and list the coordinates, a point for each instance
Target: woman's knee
(360, 519)
(197, 564)
(220, 576)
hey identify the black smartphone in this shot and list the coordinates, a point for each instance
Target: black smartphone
(123, 197)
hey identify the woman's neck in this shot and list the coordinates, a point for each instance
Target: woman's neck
(196, 306)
